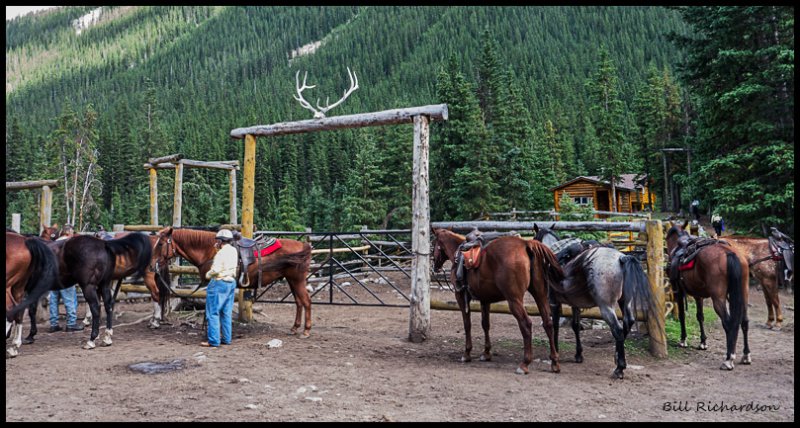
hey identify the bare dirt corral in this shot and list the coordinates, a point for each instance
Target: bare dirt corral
(358, 366)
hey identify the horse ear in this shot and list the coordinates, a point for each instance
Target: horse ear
(535, 228)
(55, 226)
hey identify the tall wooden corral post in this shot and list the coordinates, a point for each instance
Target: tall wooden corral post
(655, 274)
(153, 196)
(248, 202)
(420, 319)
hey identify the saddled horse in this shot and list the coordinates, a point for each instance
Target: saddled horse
(719, 272)
(603, 277)
(91, 263)
(510, 266)
(763, 267)
(292, 262)
(32, 268)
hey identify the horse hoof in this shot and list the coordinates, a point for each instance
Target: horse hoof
(702, 346)
(579, 359)
(305, 335)
(28, 340)
(154, 325)
(89, 345)
(465, 359)
(292, 333)
(682, 345)
(11, 352)
(777, 327)
(746, 359)
(555, 368)
(107, 341)
(522, 371)
(87, 322)
(727, 365)
(618, 374)
(486, 357)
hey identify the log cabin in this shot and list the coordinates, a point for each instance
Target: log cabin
(633, 193)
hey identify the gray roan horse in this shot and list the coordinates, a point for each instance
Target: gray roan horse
(595, 275)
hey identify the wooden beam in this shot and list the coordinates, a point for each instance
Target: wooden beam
(655, 275)
(420, 308)
(45, 208)
(22, 185)
(153, 196)
(164, 159)
(142, 227)
(159, 166)
(232, 192)
(16, 221)
(528, 225)
(210, 165)
(177, 204)
(387, 117)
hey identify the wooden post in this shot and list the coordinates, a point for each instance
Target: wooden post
(45, 208)
(655, 274)
(153, 196)
(248, 196)
(420, 316)
(177, 204)
(16, 221)
(232, 186)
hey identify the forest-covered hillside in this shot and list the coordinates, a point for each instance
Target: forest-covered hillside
(544, 93)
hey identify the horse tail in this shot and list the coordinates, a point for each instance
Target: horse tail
(636, 290)
(735, 296)
(553, 274)
(162, 279)
(136, 243)
(43, 275)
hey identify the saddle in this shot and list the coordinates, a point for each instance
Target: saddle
(251, 251)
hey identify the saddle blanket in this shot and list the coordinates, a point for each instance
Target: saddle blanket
(687, 266)
(269, 250)
(472, 257)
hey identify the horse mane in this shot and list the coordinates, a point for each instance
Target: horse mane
(195, 237)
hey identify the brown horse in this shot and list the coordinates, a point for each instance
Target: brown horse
(291, 261)
(764, 269)
(720, 272)
(32, 268)
(510, 266)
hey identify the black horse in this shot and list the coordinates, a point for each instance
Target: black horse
(90, 262)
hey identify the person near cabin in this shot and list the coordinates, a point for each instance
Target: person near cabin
(785, 249)
(718, 224)
(695, 209)
(221, 291)
(67, 295)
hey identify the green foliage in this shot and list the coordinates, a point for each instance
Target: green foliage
(570, 211)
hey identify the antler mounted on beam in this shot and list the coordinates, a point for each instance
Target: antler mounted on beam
(320, 111)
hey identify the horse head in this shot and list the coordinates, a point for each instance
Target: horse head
(439, 254)
(50, 233)
(674, 234)
(164, 249)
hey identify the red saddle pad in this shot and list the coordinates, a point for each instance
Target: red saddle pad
(687, 266)
(269, 250)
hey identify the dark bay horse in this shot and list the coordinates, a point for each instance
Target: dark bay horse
(32, 269)
(721, 273)
(763, 267)
(92, 263)
(291, 261)
(510, 267)
(603, 277)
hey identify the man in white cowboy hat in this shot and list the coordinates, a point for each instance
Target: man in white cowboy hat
(221, 290)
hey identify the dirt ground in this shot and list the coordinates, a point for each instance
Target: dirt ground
(359, 366)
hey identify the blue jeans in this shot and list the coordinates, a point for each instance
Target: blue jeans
(219, 309)
(70, 297)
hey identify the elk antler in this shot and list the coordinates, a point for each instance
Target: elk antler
(322, 110)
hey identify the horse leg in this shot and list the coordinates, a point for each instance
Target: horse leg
(16, 343)
(745, 328)
(90, 294)
(607, 312)
(576, 328)
(108, 302)
(776, 303)
(465, 316)
(539, 292)
(32, 315)
(555, 312)
(302, 301)
(518, 310)
(680, 297)
(721, 309)
(700, 318)
(487, 343)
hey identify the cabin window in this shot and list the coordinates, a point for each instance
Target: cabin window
(582, 200)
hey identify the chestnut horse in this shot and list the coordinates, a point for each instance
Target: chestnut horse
(510, 266)
(32, 268)
(291, 261)
(764, 269)
(720, 272)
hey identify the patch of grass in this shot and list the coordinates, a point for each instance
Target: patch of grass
(673, 324)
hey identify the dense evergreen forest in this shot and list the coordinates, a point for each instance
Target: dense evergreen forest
(537, 95)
